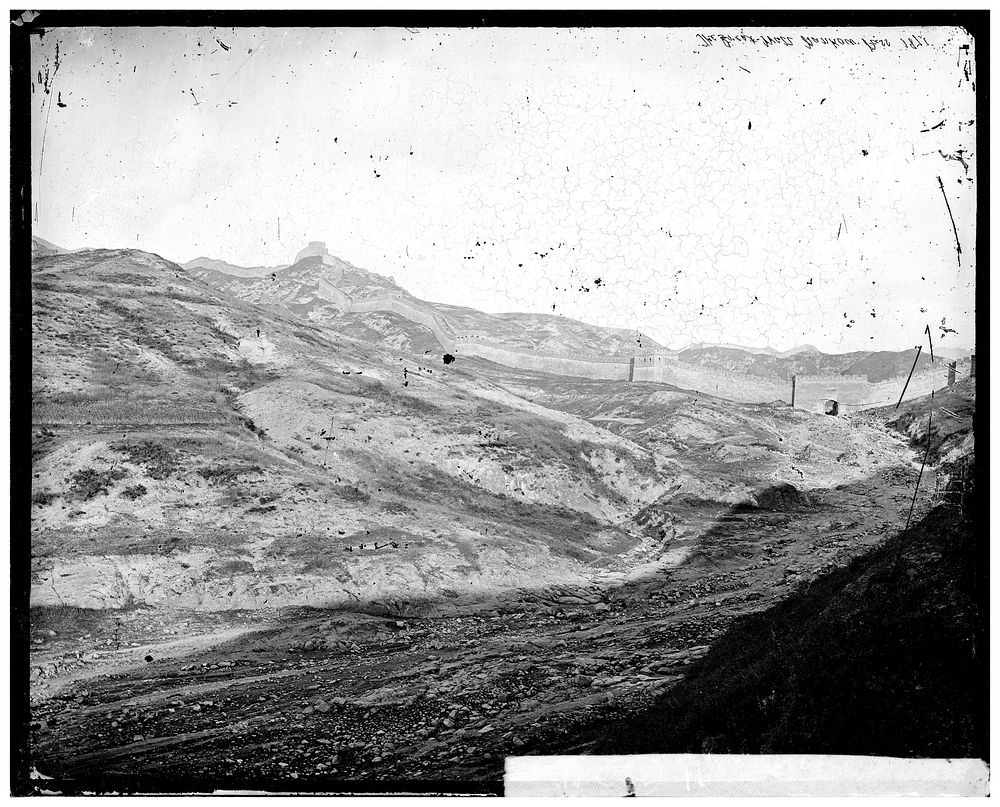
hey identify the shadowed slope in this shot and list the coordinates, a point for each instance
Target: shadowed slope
(881, 657)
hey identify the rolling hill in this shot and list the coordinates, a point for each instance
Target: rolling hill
(221, 267)
(258, 524)
(297, 288)
(178, 401)
(40, 247)
(874, 365)
(167, 425)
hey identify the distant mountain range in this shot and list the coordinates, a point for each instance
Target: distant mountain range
(231, 269)
(769, 351)
(879, 365)
(296, 287)
(41, 247)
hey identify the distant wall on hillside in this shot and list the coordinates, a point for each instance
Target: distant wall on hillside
(856, 392)
(415, 313)
(852, 392)
(609, 369)
(335, 295)
(649, 367)
(735, 387)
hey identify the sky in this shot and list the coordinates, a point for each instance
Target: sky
(765, 187)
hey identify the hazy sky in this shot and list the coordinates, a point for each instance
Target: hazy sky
(765, 193)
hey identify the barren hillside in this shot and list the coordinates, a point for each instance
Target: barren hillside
(296, 288)
(875, 365)
(207, 265)
(40, 247)
(316, 524)
(881, 657)
(295, 467)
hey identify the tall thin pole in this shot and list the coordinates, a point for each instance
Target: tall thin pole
(914, 367)
(903, 535)
(920, 476)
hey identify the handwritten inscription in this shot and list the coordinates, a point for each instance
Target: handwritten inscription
(809, 42)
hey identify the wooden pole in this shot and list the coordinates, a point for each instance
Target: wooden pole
(914, 367)
(930, 416)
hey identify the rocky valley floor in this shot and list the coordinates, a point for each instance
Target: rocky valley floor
(293, 698)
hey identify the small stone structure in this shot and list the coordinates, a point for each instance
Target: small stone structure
(314, 249)
(317, 249)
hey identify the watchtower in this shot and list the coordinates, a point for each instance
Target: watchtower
(317, 249)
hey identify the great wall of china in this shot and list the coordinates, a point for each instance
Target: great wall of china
(852, 392)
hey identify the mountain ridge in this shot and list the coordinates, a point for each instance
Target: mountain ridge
(298, 287)
(313, 523)
(303, 285)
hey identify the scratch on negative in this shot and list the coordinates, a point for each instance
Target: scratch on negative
(954, 229)
(45, 130)
(237, 70)
(49, 85)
